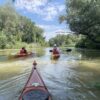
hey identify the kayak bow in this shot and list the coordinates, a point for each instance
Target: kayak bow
(35, 88)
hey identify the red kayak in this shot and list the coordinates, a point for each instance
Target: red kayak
(23, 55)
(55, 56)
(35, 88)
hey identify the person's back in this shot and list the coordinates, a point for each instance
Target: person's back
(55, 50)
(23, 51)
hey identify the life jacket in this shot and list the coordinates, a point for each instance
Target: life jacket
(55, 51)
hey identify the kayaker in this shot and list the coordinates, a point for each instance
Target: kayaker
(23, 51)
(55, 50)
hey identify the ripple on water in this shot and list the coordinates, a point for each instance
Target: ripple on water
(69, 78)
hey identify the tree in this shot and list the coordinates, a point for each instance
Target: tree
(64, 40)
(83, 17)
(3, 40)
(18, 28)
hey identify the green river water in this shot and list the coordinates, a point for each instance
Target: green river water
(73, 76)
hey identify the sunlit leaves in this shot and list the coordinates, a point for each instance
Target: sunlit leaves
(17, 28)
(64, 40)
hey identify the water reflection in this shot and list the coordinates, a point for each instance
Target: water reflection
(89, 54)
(71, 77)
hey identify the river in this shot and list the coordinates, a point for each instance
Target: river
(72, 77)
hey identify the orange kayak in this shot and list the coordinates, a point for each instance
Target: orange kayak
(35, 88)
(55, 56)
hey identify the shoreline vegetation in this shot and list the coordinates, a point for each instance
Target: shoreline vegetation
(83, 17)
(35, 48)
(17, 31)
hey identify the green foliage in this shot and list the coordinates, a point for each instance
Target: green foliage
(3, 40)
(87, 43)
(17, 28)
(62, 18)
(83, 17)
(64, 40)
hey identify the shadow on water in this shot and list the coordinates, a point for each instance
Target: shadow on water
(71, 77)
(89, 54)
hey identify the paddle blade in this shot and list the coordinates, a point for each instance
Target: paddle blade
(50, 50)
(69, 50)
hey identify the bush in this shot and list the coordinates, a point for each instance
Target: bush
(87, 43)
(3, 40)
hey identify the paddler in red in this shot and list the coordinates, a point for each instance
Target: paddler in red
(55, 50)
(23, 51)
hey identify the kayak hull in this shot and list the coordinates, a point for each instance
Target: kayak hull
(20, 55)
(35, 84)
(55, 56)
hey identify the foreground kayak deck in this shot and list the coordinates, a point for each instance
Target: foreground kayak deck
(35, 88)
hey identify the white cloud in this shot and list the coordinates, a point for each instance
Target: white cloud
(47, 10)
(61, 8)
(49, 28)
(33, 3)
(54, 33)
(53, 30)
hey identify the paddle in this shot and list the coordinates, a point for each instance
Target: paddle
(69, 50)
(50, 50)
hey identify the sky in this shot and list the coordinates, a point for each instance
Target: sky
(44, 13)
